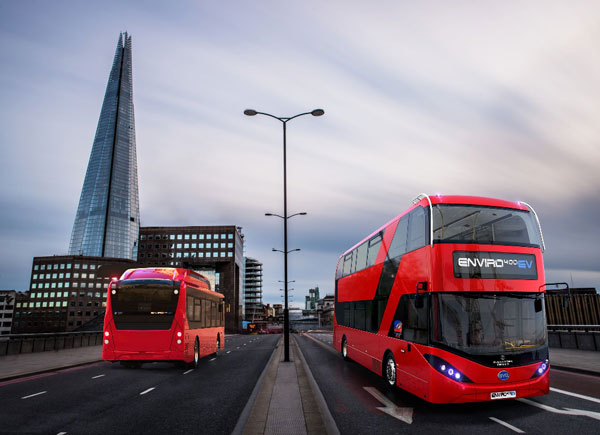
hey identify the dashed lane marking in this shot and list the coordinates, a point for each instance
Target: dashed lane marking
(505, 424)
(212, 359)
(189, 371)
(98, 376)
(228, 351)
(33, 395)
(147, 391)
(566, 411)
(580, 396)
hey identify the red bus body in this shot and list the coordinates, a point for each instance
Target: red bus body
(477, 334)
(138, 334)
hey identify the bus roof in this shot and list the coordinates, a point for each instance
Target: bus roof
(446, 199)
(172, 273)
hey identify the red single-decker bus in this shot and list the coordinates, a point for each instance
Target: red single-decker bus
(446, 301)
(162, 314)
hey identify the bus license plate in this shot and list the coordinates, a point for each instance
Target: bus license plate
(503, 395)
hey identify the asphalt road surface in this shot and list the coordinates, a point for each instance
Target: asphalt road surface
(353, 395)
(107, 398)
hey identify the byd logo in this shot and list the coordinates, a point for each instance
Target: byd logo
(495, 263)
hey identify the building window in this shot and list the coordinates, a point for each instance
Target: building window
(194, 236)
(35, 276)
(56, 266)
(222, 254)
(222, 245)
(75, 275)
(33, 286)
(85, 266)
(36, 267)
(38, 304)
(142, 237)
(67, 284)
(47, 285)
(179, 236)
(201, 236)
(51, 303)
(208, 236)
(230, 236)
(53, 285)
(208, 255)
(187, 237)
(194, 245)
(43, 267)
(69, 266)
(208, 246)
(179, 246)
(64, 303)
(68, 275)
(186, 246)
(200, 254)
(178, 255)
(223, 236)
(44, 304)
(60, 285)
(47, 276)
(77, 266)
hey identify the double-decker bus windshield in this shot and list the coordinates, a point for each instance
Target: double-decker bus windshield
(476, 224)
(144, 303)
(490, 323)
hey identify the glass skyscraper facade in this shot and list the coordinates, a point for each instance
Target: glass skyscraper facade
(108, 217)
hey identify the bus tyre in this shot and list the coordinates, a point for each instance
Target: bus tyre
(196, 359)
(389, 370)
(345, 349)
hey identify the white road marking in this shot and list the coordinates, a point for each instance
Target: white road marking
(61, 433)
(33, 395)
(505, 424)
(147, 391)
(244, 344)
(580, 396)
(237, 347)
(189, 371)
(566, 411)
(212, 359)
(390, 408)
(96, 377)
(228, 351)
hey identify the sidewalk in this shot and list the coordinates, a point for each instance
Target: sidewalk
(24, 364)
(288, 400)
(583, 361)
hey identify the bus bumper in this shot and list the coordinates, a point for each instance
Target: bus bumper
(123, 355)
(444, 390)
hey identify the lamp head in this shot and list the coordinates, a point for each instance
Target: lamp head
(250, 112)
(316, 112)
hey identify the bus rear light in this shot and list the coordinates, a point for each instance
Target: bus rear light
(445, 368)
(542, 368)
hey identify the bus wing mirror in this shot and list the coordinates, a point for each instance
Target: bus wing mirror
(567, 294)
(538, 305)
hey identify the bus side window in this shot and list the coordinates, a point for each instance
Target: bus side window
(416, 229)
(197, 310)
(361, 256)
(347, 263)
(206, 320)
(373, 249)
(189, 312)
(398, 245)
(410, 323)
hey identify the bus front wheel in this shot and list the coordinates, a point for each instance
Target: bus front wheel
(389, 370)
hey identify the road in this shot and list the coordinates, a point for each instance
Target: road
(353, 394)
(107, 398)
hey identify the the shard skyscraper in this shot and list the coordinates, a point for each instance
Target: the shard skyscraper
(108, 217)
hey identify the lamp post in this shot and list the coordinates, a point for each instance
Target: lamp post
(285, 217)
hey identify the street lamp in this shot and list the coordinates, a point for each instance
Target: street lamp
(285, 217)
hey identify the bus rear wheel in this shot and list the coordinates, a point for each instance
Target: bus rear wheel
(345, 349)
(389, 371)
(196, 359)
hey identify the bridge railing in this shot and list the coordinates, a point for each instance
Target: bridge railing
(14, 344)
(583, 337)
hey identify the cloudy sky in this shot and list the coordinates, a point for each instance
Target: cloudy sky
(491, 98)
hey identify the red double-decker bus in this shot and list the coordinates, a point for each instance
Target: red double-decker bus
(162, 314)
(446, 301)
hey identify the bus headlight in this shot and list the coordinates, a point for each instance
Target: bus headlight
(105, 341)
(179, 334)
(178, 341)
(106, 334)
(541, 369)
(445, 368)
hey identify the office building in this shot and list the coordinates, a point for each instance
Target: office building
(65, 292)
(7, 308)
(214, 251)
(108, 216)
(254, 309)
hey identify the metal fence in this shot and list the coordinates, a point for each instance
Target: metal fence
(581, 309)
(13, 344)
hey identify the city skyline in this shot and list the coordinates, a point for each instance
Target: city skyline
(504, 107)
